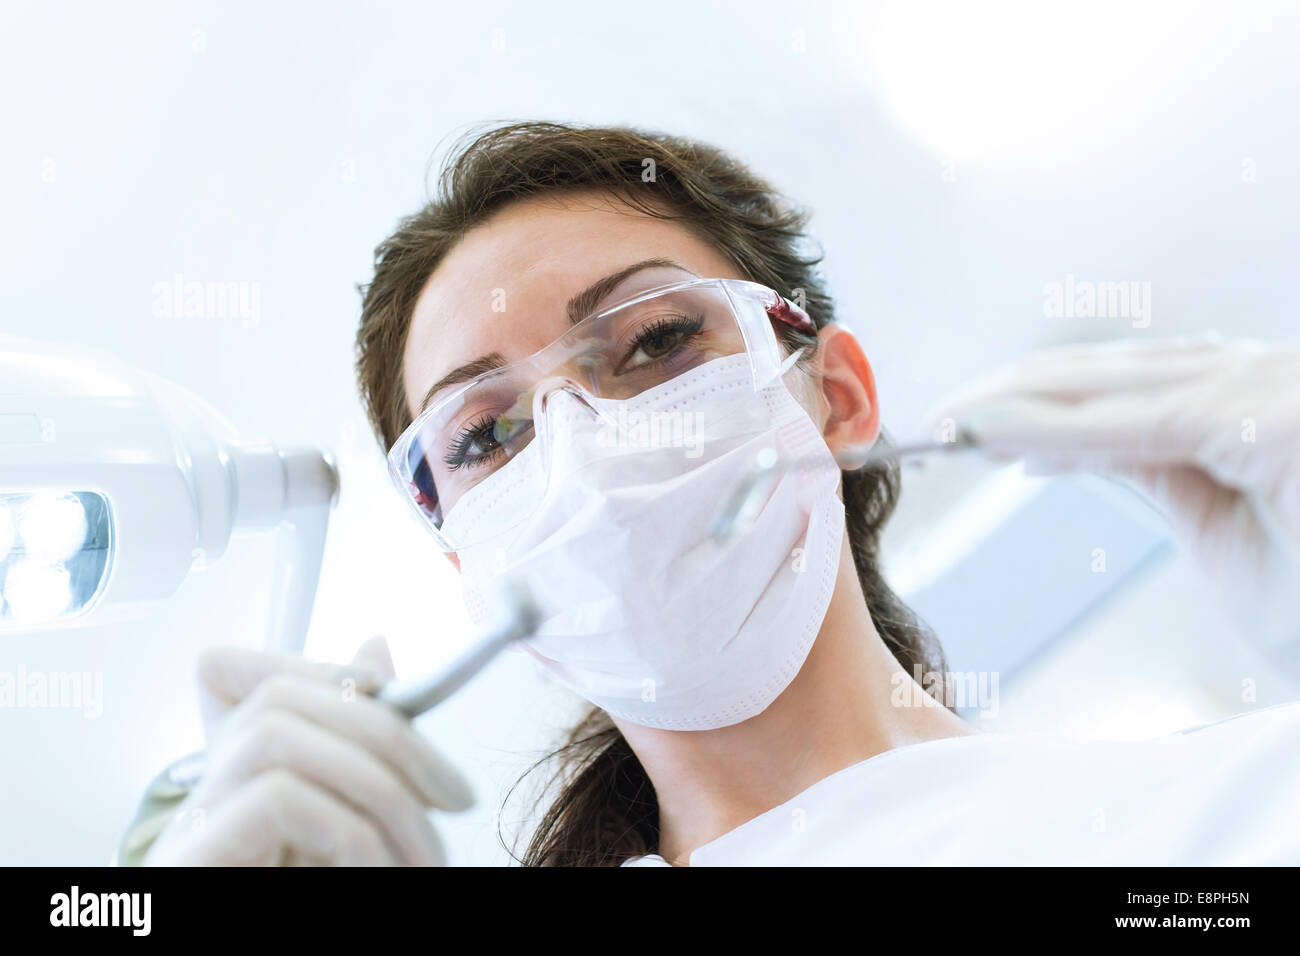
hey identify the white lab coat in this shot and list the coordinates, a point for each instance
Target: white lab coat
(1222, 793)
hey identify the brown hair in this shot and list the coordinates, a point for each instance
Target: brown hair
(606, 810)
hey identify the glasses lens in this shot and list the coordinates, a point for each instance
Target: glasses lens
(648, 342)
(619, 354)
(468, 438)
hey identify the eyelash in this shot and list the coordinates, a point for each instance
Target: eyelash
(688, 326)
(476, 430)
(455, 459)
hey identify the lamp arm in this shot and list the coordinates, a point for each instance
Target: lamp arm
(311, 487)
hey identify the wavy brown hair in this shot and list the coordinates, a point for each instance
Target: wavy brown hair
(606, 810)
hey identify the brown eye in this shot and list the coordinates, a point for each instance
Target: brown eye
(659, 345)
(660, 340)
(475, 443)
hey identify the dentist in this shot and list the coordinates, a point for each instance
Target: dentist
(743, 691)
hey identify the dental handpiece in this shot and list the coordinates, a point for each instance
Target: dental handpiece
(741, 508)
(517, 618)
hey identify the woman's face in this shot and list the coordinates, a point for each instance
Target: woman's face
(517, 282)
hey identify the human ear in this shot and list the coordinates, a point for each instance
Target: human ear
(849, 389)
(454, 558)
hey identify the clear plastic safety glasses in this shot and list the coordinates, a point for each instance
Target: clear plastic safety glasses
(471, 430)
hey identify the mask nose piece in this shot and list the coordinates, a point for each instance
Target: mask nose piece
(568, 396)
(564, 413)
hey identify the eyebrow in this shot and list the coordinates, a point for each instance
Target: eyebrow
(579, 307)
(584, 303)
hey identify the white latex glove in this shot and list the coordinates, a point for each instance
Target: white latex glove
(303, 769)
(1208, 428)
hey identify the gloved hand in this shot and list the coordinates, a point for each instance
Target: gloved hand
(302, 769)
(1208, 428)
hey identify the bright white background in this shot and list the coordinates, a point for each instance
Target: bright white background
(958, 157)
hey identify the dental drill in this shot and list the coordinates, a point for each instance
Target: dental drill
(517, 618)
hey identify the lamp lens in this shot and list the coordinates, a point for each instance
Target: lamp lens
(55, 551)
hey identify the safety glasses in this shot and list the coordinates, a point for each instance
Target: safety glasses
(470, 431)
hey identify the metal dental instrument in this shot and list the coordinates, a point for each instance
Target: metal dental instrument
(518, 618)
(738, 513)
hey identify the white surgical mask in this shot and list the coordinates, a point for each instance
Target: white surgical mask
(646, 614)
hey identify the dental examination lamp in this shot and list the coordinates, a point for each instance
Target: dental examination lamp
(115, 483)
